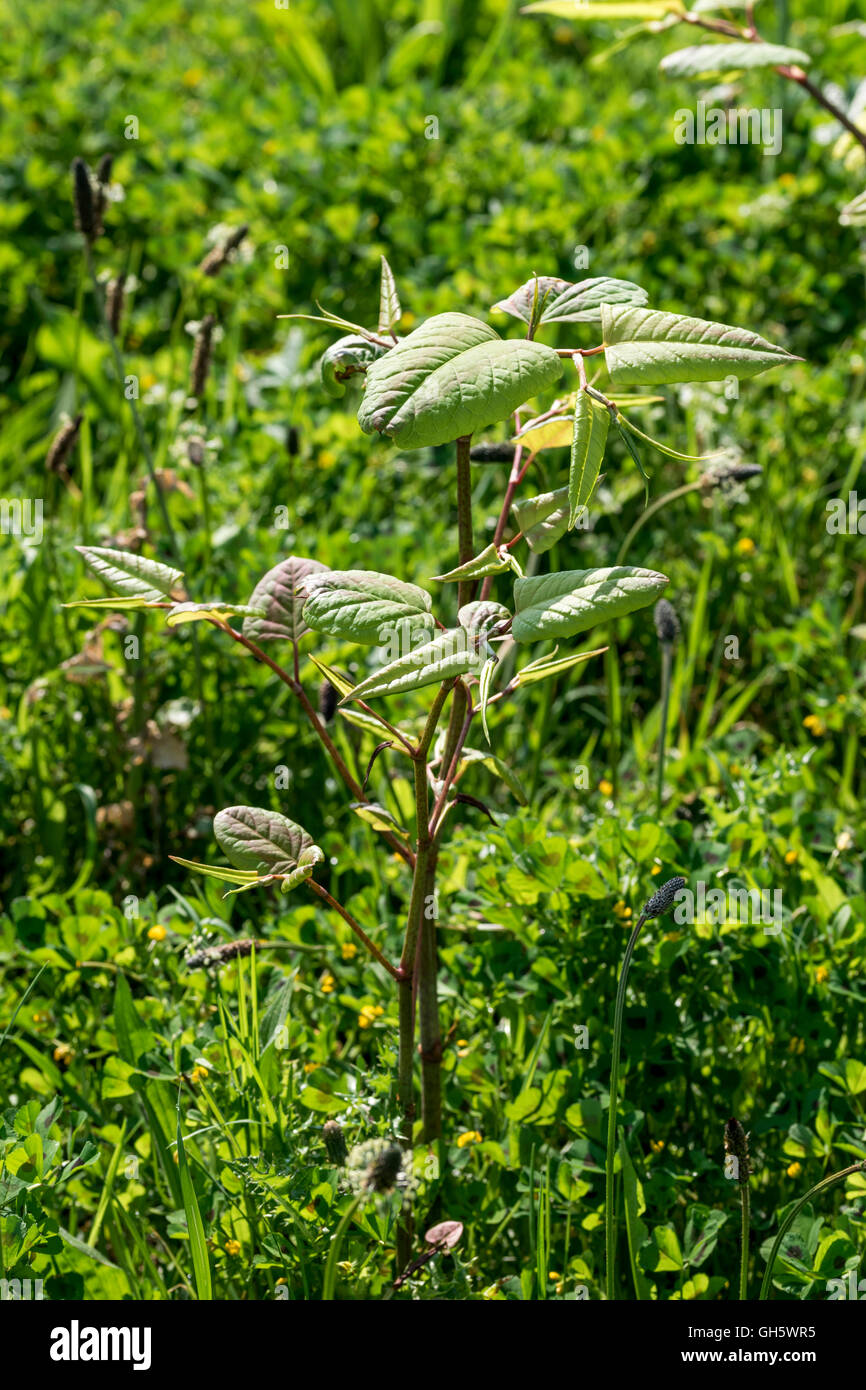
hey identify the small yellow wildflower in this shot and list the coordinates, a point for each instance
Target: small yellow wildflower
(63, 1054)
(794, 1170)
(348, 950)
(471, 1136)
(328, 983)
(815, 725)
(657, 1145)
(745, 546)
(233, 1247)
(554, 1274)
(605, 787)
(822, 974)
(157, 932)
(369, 1014)
(791, 856)
(192, 77)
(797, 1046)
(620, 910)
(656, 869)
(198, 1074)
(844, 840)
(310, 1066)
(271, 147)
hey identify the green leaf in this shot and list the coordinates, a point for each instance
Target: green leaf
(702, 59)
(449, 654)
(560, 605)
(133, 1038)
(547, 666)
(591, 423)
(389, 301)
(264, 841)
(853, 214)
(117, 605)
(498, 768)
(341, 683)
(643, 346)
(451, 377)
(345, 358)
(558, 301)
(606, 9)
(364, 606)
(207, 612)
(378, 817)
(240, 876)
(632, 448)
(280, 595)
(661, 1253)
(484, 683)
(131, 575)
(543, 519)
(194, 1223)
(529, 302)
(665, 448)
(492, 560)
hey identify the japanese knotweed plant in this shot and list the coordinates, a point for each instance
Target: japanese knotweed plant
(444, 383)
(735, 46)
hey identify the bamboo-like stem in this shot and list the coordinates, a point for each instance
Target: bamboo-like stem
(794, 1212)
(609, 1209)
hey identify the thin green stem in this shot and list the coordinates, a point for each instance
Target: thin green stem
(333, 1254)
(795, 1211)
(609, 1211)
(355, 926)
(744, 1238)
(466, 587)
(667, 657)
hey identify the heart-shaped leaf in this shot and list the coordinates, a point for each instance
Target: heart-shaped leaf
(560, 605)
(642, 346)
(264, 841)
(280, 594)
(451, 377)
(591, 424)
(450, 654)
(364, 606)
(703, 58)
(131, 575)
(558, 301)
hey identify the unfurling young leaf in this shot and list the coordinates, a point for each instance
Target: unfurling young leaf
(389, 301)
(263, 847)
(280, 595)
(560, 605)
(207, 612)
(364, 606)
(347, 357)
(494, 559)
(543, 519)
(449, 378)
(591, 423)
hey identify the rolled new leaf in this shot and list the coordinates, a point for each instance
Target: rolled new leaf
(560, 605)
(449, 378)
